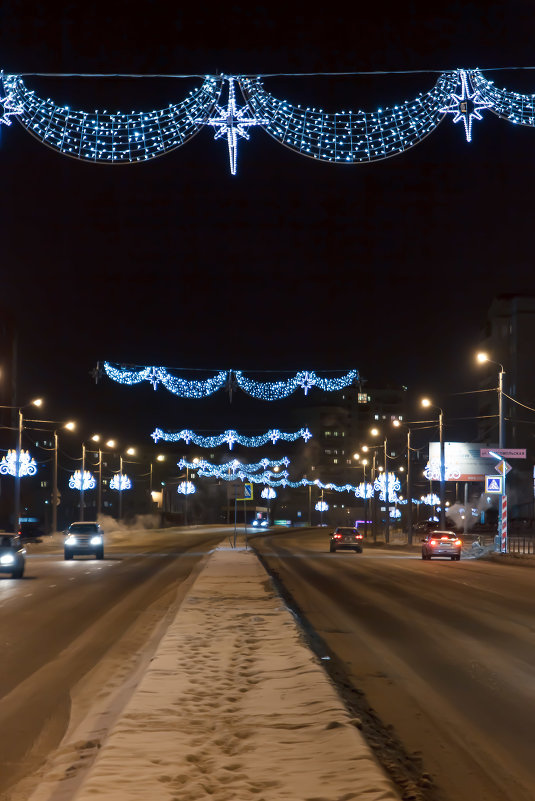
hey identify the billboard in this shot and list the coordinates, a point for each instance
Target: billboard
(463, 462)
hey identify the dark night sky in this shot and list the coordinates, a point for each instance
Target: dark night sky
(293, 264)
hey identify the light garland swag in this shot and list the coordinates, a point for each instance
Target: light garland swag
(225, 379)
(229, 437)
(343, 137)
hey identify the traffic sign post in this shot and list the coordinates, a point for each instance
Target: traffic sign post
(503, 533)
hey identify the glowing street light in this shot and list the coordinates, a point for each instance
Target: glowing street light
(426, 403)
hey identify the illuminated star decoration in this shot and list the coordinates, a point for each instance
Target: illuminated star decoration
(233, 122)
(466, 106)
(9, 108)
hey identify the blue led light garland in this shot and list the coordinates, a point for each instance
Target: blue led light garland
(346, 137)
(227, 379)
(229, 437)
(111, 138)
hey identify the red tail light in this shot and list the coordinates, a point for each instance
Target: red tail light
(458, 542)
(359, 536)
(337, 536)
(433, 542)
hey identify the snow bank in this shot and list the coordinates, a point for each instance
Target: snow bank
(234, 707)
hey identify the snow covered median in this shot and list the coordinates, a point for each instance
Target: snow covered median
(234, 706)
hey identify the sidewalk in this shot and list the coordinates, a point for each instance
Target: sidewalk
(235, 707)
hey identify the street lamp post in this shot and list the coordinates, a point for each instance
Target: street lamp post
(375, 432)
(426, 403)
(482, 357)
(398, 424)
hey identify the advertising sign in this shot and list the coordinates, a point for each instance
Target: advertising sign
(507, 453)
(463, 461)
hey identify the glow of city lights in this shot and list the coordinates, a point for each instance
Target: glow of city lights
(89, 482)
(27, 465)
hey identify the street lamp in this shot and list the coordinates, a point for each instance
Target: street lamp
(375, 433)
(481, 358)
(399, 424)
(426, 403)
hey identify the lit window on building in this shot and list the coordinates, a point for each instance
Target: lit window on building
(376, 416)
(327, 434)
(44, 483)
(363, 397)
(335, 461)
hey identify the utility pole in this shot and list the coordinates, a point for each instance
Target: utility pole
(16, 522)
(442, 472)
(409, 489)
(387, 497)
(55, 486)
(82, 483)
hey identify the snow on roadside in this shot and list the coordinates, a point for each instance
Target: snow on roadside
(235, 707)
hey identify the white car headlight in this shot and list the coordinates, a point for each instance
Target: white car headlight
(70, 540)
(7, 559)
(96, 540)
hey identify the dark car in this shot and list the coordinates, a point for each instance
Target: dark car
(12, 555)
(84, 538)
(31, 532)
(441, 543)
(346, 538)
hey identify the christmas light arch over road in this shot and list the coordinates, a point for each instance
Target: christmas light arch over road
(227, 379)
(343, 137)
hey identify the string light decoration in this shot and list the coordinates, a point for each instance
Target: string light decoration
(228, 379)
(9, 108)
(343, 137)
(354, 136)
(322, 506)
(27, 465)
(89, 482)
(111, 138)
(229, 437)
(231, 468)
(394, 486)
(467, 106)
(268, 493)
(120, 482)
(186, 488)
(512, 106)
(233, 122)
(160, 375)
(303, 380)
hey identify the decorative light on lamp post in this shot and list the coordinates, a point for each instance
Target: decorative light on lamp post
(21, 465)
(426, 403)
(186, 488)
(375, 433)
(89, 481)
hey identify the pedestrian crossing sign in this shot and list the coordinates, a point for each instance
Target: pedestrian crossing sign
(247, 493)
(494, 485)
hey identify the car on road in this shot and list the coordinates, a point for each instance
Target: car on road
(441, 543)
(346, 538)
(12, 555)
(83, 538)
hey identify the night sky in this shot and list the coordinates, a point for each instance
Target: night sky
(293, 264)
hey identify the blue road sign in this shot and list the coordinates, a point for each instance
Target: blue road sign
(494, 485)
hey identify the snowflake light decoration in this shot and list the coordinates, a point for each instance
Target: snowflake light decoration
(120, 482)
(466, 106)
(186, 488)
(232, 122)
(27, 465)
(89, 482)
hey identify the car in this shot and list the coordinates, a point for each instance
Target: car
(84, 538)
(12, 555)
(346, 538)
(441, 543)
(31, 532)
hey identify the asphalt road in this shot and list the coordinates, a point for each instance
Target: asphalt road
(65, 619)
(443, 651)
